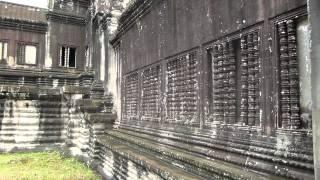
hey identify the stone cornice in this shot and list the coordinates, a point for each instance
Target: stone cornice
(84, 3)
(135, 11)
(16, 24)
(66, 18)
(53, 73)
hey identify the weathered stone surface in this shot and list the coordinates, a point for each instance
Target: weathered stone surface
(193, 85)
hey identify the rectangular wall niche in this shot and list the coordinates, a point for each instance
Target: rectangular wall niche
(236, 80)
(131, 96)
(151, 91)
(182, 89)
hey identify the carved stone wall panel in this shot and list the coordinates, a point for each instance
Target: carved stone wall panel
(182, 89)
(236, 70)
(289, 75)
(131, 93)
(151, 91)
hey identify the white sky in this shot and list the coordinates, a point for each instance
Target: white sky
(36, 3)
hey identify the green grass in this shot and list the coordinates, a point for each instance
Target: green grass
(43, 166)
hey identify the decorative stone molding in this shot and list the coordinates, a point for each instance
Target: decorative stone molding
(20, 25)
(134, 11)
(66, 18)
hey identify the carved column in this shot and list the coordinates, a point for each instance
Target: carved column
(314, 14)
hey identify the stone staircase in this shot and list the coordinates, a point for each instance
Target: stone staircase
(32, 122)
(51, 110)
(129, 152)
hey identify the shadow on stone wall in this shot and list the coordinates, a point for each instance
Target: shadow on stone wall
(2, 108)
(51, 121)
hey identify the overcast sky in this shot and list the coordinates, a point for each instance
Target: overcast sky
(37, 3)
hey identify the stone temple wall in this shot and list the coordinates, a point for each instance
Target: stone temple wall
(67, 113)
(212, 88)
(202, 89)
(48, 112)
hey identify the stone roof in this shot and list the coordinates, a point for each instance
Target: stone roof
(135, 9)
(22, 12)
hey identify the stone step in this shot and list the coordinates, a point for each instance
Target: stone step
(21, 121)
(19, 132)
(284, 169)
(202, 165)
(34, 110)
(32, 139)
(255, 149)
(126, 154)
(25, 147)
(36, 115)
(32, 127)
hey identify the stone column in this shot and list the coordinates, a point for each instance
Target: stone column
(314, 14)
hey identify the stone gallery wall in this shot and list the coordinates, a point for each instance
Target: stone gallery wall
(202, 89)
(222, 76)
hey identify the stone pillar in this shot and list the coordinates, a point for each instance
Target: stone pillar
(89, 37)
(314, 14)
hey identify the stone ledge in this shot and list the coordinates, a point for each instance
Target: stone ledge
(267, 159)
(66, 18)
(23, 25)
(148, 162)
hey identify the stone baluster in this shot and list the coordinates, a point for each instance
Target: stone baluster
(244, 82)
(232, 85)
(216, 84)
(251, 82)
(220, 85)
(284, 76)
(295, 121)
(225, 59)
(256, 68)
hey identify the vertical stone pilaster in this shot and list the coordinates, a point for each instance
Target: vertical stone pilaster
(314, 14)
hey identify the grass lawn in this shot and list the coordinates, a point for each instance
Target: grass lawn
(43, 166)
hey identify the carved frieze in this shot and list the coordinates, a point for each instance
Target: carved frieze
(15, 24)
